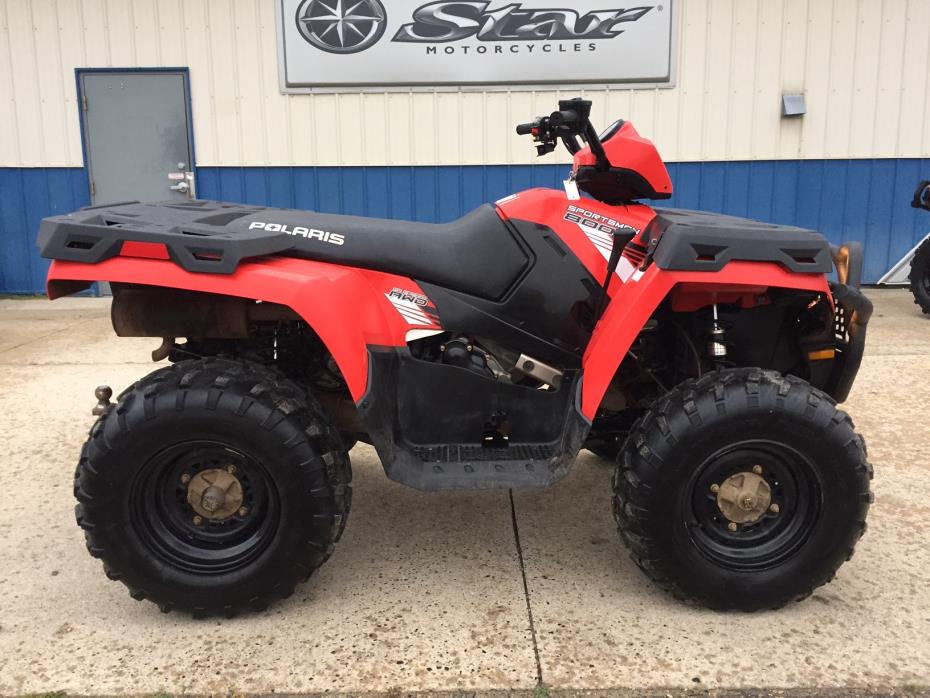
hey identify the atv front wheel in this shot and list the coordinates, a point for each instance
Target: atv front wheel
(610, 431)
(920, 277)
(744, 489)
(212, 486)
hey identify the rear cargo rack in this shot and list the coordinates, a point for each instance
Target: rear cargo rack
(200, 236)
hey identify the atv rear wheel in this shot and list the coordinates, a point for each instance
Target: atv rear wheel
(744, 489)
(920, 277)
(213, 486)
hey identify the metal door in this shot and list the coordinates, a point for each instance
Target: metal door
(137, 135)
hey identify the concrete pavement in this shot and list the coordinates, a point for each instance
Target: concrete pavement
(426, 591)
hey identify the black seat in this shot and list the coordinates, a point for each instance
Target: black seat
(476, 254)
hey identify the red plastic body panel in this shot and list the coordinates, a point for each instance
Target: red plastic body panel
(348, 308)
(145, 250)
(635, 301)
(629, 151)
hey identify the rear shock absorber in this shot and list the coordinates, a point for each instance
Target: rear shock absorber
(716, 340)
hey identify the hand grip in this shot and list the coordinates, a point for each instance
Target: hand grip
(525, 129)
(564, 118)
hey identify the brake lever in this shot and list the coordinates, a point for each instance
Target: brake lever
(542, 134)
(546, 135)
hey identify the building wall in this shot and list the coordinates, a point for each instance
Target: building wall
(861, 63)
(846, 167)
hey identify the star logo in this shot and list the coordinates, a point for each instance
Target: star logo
(341, 26)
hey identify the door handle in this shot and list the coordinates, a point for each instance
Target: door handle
(182, 187)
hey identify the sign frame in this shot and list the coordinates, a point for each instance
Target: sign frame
(513, 86)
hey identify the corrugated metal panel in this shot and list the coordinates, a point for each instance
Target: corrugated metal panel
(861, 64)
(865, 200)
(26, 197)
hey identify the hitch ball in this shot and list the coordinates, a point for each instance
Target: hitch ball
(103, 394)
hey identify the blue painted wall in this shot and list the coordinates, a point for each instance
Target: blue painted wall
(864, 200)
(27, 196)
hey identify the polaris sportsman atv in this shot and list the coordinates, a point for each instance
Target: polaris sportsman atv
(706, 353)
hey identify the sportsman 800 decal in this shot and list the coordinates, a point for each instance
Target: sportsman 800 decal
(599, 229)
(300, 231)
(589, 219)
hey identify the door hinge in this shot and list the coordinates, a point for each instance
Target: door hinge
(84, 101)
(93, 189)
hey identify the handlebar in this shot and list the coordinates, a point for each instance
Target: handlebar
(568, 118)
(570, 122)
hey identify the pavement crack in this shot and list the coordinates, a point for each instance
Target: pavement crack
(41, 337)
(526, 589)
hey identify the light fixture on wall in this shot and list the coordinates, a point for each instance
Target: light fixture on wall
(793, 105)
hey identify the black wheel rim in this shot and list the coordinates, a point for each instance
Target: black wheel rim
(165, 521)
(774, 537)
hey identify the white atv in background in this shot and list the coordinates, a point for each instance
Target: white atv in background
(914, 268)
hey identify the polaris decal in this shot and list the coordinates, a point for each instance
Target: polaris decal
(415, 308)
(300, 231)
(600, 231)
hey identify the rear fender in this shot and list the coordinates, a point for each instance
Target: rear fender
(634, 302)
(349, 309)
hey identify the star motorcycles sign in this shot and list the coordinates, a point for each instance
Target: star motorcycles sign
(409, 43)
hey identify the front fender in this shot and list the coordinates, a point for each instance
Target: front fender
(635, 301)
(346, 307)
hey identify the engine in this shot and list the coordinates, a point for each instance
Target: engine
(487, 359)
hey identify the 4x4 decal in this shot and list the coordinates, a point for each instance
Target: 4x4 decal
(415, 308)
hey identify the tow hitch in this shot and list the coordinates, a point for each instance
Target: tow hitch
(103, 394)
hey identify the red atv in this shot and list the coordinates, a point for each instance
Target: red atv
(705, 353)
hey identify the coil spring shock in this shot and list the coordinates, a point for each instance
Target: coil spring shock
(717, 345)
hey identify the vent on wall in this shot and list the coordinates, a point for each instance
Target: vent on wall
(793, 105)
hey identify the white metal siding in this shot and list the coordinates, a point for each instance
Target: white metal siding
(861, 63)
